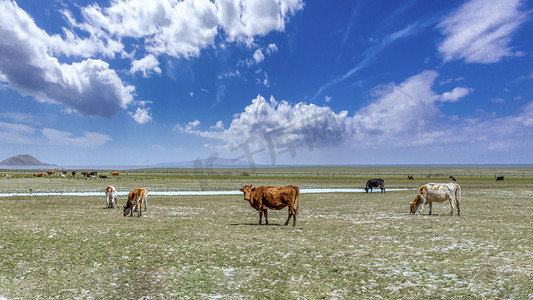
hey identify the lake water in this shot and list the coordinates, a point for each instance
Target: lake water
(183, 193)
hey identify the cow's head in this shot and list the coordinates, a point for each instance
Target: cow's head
(127, 210)
(414, 205)
(247, 190)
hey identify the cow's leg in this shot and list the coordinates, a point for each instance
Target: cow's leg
(260, 216)
(116, 202)
(288, 218)
(266, 216)
(451, 204)
(292, 214)
(458, 207)
(421, 208)
(430, 207)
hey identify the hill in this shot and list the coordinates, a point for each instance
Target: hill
(23, 160)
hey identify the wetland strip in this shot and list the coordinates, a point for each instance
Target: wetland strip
(181, 193)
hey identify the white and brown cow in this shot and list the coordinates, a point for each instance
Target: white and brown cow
(111, 197)
(136, 198)
(437, 192)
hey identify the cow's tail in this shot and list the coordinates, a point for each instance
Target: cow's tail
(458, 194)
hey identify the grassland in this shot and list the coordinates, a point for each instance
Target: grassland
(344, 246)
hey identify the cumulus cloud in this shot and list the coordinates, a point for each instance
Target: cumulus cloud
(456, 94)
(398, 114)
(65, 138)
(146, 65)
(188, 128)
(31, 60)
(247, 18)
(89, 86)
(480, 31)
(141, 115)
(271, 49)
(184, 28)
(258, 56)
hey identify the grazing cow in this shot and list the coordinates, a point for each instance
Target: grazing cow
(263, 197)
(499, 178)
(102, 176)
(452, 178)
(111, 197)
(437, 192)
(115, 173)
(374, 183)
(51, 172)
(136, 198)
(410, 177)
(39, 175)
(7, 176)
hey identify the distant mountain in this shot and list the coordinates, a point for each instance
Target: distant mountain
(23, 160)
(207, 163)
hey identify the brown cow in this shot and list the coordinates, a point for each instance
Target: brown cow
(135, 200)
(263, 197)
(115, 173)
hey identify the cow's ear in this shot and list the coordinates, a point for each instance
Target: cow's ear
(241, 189)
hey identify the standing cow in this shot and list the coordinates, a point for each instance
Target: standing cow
(111, 197)
(374, 183)
(263, 197)
(136, 198)
(437, 192)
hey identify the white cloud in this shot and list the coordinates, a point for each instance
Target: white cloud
(327, 99)
(189, 128)
(184, 28)
(480, 30)
(64, 138)
(12, 133)
(401, 116)
(271, 49)
(141, 115)
(258, 56)
(218, 126)
(247, 18)
(145, 65)
(31, 59)
(456, 94)
(90, 86)
(397, 114)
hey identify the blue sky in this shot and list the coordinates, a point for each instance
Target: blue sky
(267, 81)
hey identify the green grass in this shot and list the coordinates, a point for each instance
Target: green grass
(344, 245)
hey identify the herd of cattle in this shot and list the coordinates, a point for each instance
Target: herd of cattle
(87, 174)
(262, 198)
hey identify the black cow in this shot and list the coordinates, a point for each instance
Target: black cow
(499, 178)
(374, 183)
